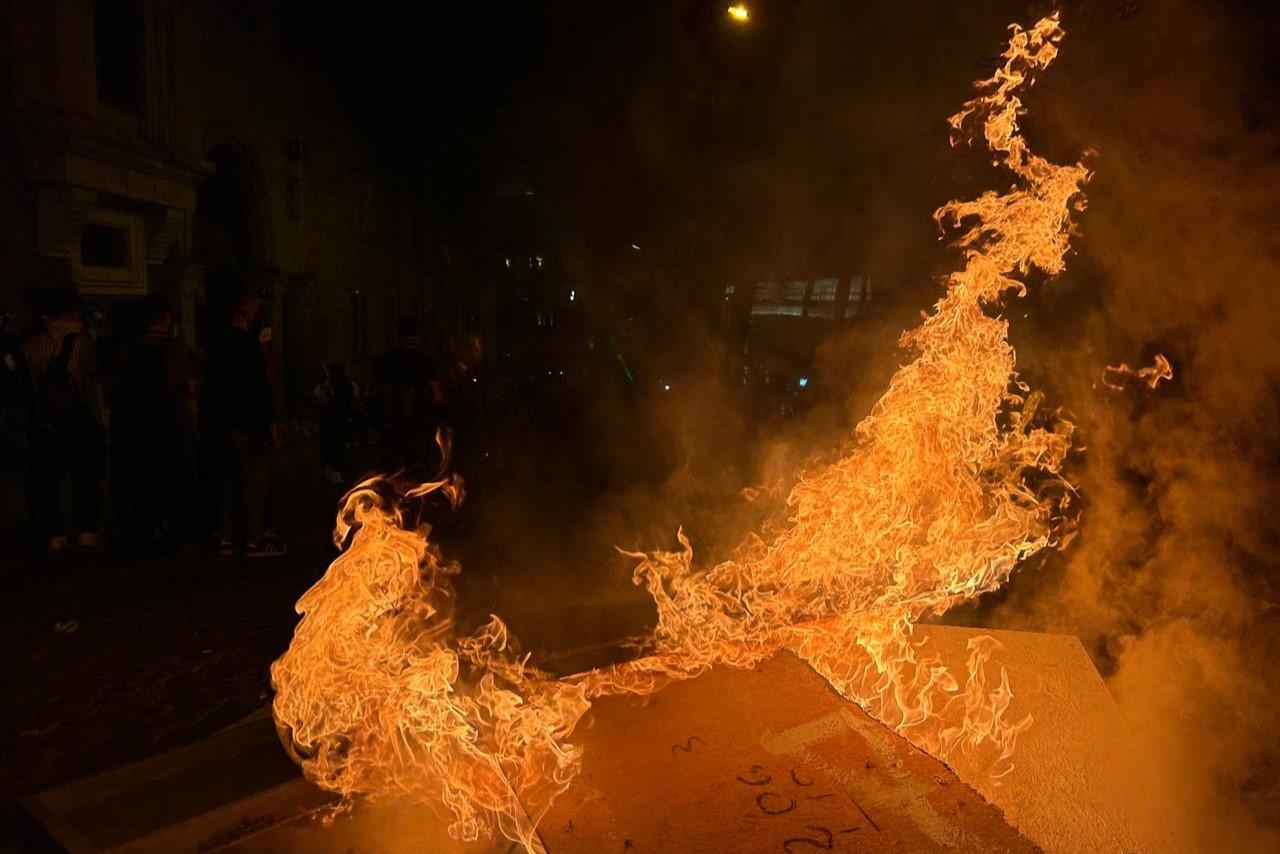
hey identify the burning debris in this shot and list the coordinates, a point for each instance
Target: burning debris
(1121, 376)
(762, 759)
(949, 483)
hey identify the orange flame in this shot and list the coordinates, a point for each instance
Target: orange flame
(1151, 376)
(950, 481)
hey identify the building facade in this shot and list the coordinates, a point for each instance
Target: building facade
(149, 143)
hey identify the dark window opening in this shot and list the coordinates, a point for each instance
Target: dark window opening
(104, 246)
(117, 42)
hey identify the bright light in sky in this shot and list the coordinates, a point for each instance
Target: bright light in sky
(739, 13)
(803, 382)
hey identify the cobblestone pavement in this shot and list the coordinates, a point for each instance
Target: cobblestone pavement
(109, 657)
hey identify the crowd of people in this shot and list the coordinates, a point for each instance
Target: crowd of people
(404, 404)
(178, 446)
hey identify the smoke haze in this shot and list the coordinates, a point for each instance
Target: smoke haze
(823, 153)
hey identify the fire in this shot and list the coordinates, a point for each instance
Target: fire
(739, 13)
(1151, 376)
(945, 487)
(377, 695)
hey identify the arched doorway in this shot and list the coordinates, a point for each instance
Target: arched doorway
(223, 234)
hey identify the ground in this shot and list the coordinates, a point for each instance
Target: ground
(111, 656)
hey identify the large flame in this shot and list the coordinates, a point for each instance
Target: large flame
(950, 481)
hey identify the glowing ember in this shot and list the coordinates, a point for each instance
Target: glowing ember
(1151, 376)
(949, 482)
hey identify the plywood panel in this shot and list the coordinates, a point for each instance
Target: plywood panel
(762, 760)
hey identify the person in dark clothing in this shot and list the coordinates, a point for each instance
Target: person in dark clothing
(112, 353)
(243, 428)
(14, 382)
(406, 402)
(153, 418)
(337, 402)
(67, 437)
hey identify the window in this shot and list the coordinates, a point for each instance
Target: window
(822, 299)
(104, 246)
(856, 297)
(767, 292)
(774, 299)
(111, 256)
(117, 43)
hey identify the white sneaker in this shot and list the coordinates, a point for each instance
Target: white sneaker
(266, 548)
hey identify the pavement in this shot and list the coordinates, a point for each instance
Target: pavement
(111, 656)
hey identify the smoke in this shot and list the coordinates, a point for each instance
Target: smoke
(819, 149)
(689, 157)
(1172, 581)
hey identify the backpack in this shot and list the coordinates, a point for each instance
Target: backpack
(61, 399)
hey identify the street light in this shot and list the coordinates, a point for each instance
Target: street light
(739, 13)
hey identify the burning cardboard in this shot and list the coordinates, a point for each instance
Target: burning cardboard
(768, 759)
(662, 773)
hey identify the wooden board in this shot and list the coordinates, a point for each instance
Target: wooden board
(663, 775)
(1066, 791)
(764, 760)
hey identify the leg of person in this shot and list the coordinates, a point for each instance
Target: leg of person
(254, 494)
(207, 497)
(87, 459)
(181, 510)
(230, 477)
(121, 503)
(256, 486)
(49, 461)
(142, 504)
(154, 505)
(332, 444)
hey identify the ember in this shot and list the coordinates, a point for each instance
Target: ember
(949, 483)
(1160, 370)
